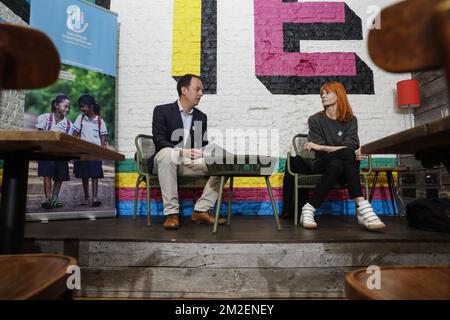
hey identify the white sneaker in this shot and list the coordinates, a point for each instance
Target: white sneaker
(307, 217)
(367, 217)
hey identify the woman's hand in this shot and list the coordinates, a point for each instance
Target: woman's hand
(312, 146)
(360, 156)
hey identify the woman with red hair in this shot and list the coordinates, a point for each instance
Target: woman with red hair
(333, 135)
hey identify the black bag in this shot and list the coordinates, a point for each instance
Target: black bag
(429, 214)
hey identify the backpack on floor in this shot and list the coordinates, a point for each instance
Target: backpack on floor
(429, 214)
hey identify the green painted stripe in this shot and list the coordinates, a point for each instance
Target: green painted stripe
(129, 166)
(281, 164)
(380, 162)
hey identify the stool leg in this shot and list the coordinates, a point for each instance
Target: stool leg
(374, 184)
(394, 191)
(230, 200)
(389, 176)
(219, 203)
(274, 208)
(397, 195)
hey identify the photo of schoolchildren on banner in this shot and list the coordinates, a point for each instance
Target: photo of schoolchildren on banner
(81, 103)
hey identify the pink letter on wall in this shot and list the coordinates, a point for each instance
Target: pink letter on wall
(283, 69)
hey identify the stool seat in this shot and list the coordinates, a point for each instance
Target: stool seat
(33, 276)
(401, 283)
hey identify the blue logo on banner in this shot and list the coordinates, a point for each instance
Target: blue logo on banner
(85, 36)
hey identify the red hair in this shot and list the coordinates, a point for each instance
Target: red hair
(344, 111)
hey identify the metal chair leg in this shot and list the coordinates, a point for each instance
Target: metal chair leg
(274, 208)
(136, 192)
(374, 184)
(219, 203)
(295, 201)
(147, 184)
(230, 200)
(366, 186)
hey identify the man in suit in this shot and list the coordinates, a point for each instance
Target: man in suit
(179, 134)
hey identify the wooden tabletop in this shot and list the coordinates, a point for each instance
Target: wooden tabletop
(53, 145)
(33, 276)
(401, 283)
(429, 135)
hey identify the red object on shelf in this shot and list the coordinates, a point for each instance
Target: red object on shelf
(408, 95)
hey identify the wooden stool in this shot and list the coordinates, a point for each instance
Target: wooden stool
(391, 183)
(401, 283)
(34, 276)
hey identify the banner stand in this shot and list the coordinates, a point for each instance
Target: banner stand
(69, 215)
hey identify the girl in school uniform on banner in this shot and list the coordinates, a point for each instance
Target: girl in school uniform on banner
(57, 170)
(90, 126)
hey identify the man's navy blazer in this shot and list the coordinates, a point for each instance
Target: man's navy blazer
(167, 119)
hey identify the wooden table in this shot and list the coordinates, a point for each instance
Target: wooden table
(430, 143)
(34, 276)
(401, 283)
(17, 148)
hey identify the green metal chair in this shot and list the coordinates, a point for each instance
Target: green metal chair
(145, 148)
(309, 181)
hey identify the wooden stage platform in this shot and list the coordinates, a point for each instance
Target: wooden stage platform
(123, 258)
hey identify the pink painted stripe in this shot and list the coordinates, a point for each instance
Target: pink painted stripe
(243, 194)
(339, 194)
(239, 194)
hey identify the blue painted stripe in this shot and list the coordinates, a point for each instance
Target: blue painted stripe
(347, 207)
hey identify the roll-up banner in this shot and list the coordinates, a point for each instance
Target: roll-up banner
(86, 38)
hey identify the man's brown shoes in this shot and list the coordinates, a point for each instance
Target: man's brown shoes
(172, 222)
(205, 217)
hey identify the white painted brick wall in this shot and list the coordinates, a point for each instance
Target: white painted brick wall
(11, 102)
(145, 53)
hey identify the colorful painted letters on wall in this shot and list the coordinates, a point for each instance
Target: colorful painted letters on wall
(284, 69)
(280, 25)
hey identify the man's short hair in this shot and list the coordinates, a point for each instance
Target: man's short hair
(185, 81)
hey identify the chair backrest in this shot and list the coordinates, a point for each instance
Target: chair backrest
(298, 141)
(145, 148)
